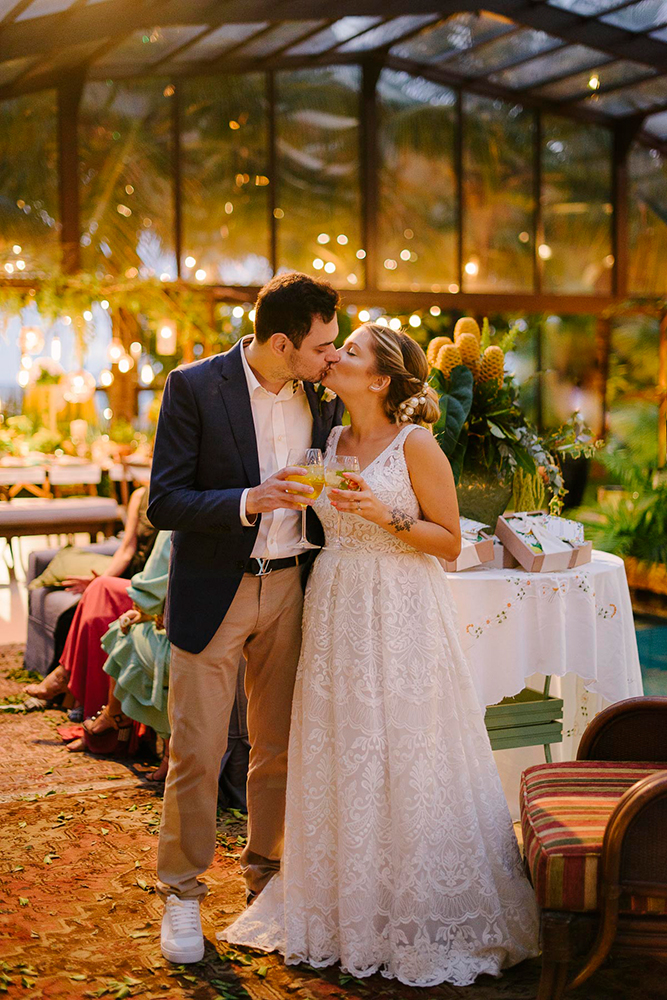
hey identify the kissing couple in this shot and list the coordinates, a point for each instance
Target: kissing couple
(378, 832)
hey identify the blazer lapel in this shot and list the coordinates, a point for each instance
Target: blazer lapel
(235, 395)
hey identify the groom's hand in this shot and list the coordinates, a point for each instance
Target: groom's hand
(276, 493)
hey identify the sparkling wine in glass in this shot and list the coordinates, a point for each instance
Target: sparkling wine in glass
(336, 468)
(311, 460)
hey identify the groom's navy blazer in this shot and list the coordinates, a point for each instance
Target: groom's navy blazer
(205, 456)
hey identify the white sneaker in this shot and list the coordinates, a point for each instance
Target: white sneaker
(182, 940)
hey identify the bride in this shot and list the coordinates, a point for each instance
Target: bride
(400, 856)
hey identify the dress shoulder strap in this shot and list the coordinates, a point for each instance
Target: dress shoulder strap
(332, 440)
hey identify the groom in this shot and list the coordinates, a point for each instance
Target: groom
(226, 427)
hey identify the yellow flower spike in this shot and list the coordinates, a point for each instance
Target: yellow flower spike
(493, 365)
(467, 325)
(468, 345)
(434, 347)
(448, 358)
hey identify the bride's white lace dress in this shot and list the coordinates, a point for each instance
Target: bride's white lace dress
(400, 855)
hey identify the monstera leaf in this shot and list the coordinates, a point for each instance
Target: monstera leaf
(455, 402)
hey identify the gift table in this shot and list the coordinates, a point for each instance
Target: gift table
(574, 626)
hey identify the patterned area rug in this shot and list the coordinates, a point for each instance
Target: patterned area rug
(79, 916)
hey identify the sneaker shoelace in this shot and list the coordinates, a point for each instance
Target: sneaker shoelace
(184, 915)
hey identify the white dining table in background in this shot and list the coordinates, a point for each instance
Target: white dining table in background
(575, 625)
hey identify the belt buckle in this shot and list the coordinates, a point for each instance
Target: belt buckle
(264, 566)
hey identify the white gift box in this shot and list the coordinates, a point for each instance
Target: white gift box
(543, 543)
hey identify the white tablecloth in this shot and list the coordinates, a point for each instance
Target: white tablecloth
(514, 624)
(576, 625)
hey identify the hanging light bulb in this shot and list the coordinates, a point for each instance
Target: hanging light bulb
(125, 364)
(78, 386)
(166, 337)
(115, 351)
(147, 374)
(56, 348)
(31, 340)
(106, 378)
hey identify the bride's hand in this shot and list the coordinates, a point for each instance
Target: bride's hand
(359, 499)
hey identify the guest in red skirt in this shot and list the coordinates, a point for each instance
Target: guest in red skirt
(104, 600)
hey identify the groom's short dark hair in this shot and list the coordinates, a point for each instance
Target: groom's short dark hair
(290, 302)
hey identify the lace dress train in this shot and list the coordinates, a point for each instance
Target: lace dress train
(400, 856)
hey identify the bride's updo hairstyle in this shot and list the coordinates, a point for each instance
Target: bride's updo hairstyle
(410, 399)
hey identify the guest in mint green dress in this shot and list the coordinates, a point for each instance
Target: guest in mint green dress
(138, 647)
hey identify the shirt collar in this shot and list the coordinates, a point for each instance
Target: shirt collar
(293, 388)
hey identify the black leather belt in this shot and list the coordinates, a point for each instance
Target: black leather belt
(262, 567)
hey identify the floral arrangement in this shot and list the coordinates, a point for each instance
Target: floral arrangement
(482, 425)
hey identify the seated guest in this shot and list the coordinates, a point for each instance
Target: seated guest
(137, 668)
(104, 600)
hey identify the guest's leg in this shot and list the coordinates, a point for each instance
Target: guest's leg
(103, 601)
(201, 696)
(273, 655)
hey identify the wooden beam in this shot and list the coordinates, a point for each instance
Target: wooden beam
(662, 388)
(69, 97)
(272, 170)
(370, 196)
(624, 135)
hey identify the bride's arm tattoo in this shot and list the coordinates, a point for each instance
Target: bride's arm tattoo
(400, 520)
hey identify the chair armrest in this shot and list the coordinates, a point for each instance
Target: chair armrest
(38, 561)
(634, 729)
(633, 861)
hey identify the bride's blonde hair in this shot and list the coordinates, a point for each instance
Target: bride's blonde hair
(410, 399)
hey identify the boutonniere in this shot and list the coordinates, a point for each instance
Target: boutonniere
(324, 395)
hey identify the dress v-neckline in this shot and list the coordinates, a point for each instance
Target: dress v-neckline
(378, 456)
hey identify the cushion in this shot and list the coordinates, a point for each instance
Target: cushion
(70, 561)
(565, 809)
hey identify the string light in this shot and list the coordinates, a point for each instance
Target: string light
(352, 278)
(20, 265)
(125, 364)
(330, 267)
(364, 315)
(56, 349)
(453, 288)
(190, 261)
(545, 251)
(471, 268)
(405, 255)
(135, 348)
(390, 264)
(415, 320)
(435, 310)
(147, 374)
(23, 378)
(360, 254)
(237, 311)
(342, 239)
(251, 315)
(16, 248)
(395, 323)
(318, 263)
(105, 304)
(115, 351)
(323, 238)
(594, 82)
(87, 315)
(106, 378)
(166, 337)
(200, 274)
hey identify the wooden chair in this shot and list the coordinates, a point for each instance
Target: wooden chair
(595, 839)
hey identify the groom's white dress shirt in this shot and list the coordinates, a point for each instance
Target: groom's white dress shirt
(282, 421)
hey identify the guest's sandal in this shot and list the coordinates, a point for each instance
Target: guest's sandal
(114, 739)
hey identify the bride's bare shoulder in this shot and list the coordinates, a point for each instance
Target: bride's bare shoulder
(422, 451)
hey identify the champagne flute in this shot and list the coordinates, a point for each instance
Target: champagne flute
(337, 466)
(311, 460)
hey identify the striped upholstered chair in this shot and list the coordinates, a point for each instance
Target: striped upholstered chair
(595, 841)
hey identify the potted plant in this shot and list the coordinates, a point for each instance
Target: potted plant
(484, 432)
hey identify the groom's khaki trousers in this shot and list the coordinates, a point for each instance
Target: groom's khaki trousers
(264, 624)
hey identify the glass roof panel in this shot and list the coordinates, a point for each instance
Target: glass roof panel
(218, 41)
(38, 8)
(277, 38)
(143, 48)
(587, 8)
(332, 36)
(6, 6)
(657, 124)
(387, 32)
(456, 34)
(639, 16)
(639, 97)
(661, 35)
(511, 48)
(610, 75)
(553, 64)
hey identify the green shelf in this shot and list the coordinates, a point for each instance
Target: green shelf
(530, 718)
